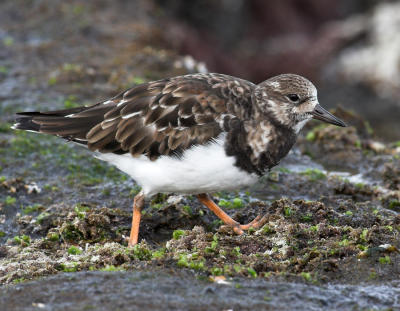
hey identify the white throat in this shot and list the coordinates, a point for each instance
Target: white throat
(297, 128)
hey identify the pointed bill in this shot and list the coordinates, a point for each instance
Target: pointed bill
(322, 114)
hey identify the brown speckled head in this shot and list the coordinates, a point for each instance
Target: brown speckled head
(288, 98)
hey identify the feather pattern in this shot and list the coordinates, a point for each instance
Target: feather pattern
(153, 119)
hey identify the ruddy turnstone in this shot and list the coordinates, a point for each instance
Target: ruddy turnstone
(191, 134)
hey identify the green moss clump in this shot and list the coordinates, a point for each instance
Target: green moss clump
(69, 267)
(394, 204)
(307, 218)
(22, 240)
(287, 211)
(363, 235)
(158, 254)
(314, 174)
(252, 272)
(311, 136)
(191, 261)
(32, 208)
(19, 280)
(52, 81)
(284, 170)
(42, 216)
(70, 233)
(81, 211)
(188, 210)
(177, 234)
(360, 185)
(71, 102)
(3, 69)
(157, 206)
(54, 237)
(214, 245)
(267, 230)
(314, 228)
(5, 127)
(231, 204)
(217, 271)
(384, 260)
(8, 41)
(111, 268)
(10, 200)
(306, 276)
(236, 251)
(73, 250)
(141, 252)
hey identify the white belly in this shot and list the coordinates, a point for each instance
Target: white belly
(201, 169)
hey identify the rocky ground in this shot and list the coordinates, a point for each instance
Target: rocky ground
(332, 235)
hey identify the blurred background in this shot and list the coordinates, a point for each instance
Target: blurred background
(63, 53)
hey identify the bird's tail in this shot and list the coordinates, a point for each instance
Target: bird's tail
(72, 124)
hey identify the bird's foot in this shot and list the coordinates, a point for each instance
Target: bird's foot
(256, 223)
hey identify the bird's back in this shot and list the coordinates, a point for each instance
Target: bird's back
(164, 117)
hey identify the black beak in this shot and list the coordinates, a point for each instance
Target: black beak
(322, 114)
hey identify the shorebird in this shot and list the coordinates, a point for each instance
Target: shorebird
(191, 134)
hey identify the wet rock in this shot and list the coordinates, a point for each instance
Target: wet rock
(332, 145)
(391, 174)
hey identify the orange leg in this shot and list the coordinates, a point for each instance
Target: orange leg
(258, 222)
(138, 203)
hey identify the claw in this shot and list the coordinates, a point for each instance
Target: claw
(256, 223)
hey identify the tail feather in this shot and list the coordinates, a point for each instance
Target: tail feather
(62, 123)
(26, 123)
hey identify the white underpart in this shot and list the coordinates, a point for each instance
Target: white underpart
(201, 169)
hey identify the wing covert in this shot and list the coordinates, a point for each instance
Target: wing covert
(170, 115)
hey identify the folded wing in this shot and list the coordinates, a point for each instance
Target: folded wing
(157, 118)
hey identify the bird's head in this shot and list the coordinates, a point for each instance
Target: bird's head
(292, 101)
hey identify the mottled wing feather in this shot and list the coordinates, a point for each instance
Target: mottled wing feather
(157, 118)
(169, 116)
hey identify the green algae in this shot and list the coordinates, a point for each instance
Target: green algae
(177, 234)
(73, 250)
(314, 174)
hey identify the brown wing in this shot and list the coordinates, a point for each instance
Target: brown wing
(159, 118)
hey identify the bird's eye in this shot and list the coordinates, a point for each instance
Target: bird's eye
(293, 97)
